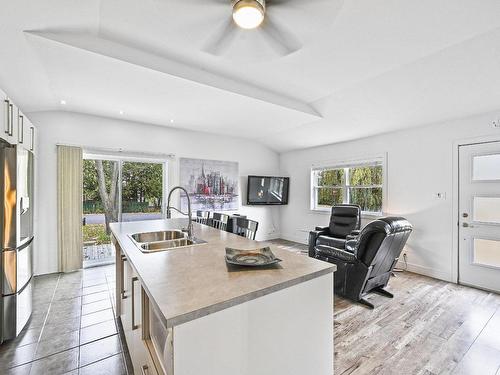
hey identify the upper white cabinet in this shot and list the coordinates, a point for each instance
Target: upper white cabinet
(9, 119)
(15, 127)
(26, 132)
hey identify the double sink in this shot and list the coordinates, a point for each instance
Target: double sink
(151, 242)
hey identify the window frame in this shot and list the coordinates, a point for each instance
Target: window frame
(346, 166)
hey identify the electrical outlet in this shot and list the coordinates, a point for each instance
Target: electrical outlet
(496, 123)
(440, 195)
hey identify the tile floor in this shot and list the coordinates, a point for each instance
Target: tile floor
(72, 329)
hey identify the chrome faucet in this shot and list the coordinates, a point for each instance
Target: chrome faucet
(169, 208)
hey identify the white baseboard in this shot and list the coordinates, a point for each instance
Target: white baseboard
(295, 238)
(427, 271)
(272, 236)
(415, 268)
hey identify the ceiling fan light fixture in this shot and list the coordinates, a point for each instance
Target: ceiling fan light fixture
(249, 14)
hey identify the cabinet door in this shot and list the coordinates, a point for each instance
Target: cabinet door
(147, 366)
(14, 123)
(24, 132)
(126, 313)
(32, 137)
(160, 342)
(140, 353)
(22, 123)
(4, 115)
(9, 120)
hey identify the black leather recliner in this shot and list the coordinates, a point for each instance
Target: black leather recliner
(368, 260)
(345, 221)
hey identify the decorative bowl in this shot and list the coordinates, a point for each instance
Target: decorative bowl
(252, 258)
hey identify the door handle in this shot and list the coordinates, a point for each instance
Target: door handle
(134, 326)
(145, 370)
(124, 259)
(32, 146)
(11, 119)
(20, 129)
(467, 225)
(7, 116)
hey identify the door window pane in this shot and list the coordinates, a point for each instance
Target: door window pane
(101, 207)
(142, 188)
(487, 209)
(486, 252)
(486, 167)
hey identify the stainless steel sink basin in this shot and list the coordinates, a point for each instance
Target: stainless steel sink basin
(170, 244)
(165, 235)
(150, 242)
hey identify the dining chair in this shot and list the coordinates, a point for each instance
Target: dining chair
(202, 217)
(219, 221)
(246, 228)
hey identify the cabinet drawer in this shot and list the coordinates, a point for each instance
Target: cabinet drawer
(126, 300)
(141, 357)
(161, 342)
(148, 368)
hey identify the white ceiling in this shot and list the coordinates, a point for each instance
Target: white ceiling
(368, 68)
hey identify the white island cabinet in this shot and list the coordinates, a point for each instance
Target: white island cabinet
(185, 312)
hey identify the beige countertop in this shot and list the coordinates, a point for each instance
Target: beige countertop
(191, 282)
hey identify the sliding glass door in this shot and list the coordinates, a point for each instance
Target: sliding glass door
(142, 191)
(116, 190)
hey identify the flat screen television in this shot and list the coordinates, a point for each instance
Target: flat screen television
(264, 190)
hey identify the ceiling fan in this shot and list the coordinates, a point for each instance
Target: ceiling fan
(277, 26)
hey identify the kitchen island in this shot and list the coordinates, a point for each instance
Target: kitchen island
(184, 311)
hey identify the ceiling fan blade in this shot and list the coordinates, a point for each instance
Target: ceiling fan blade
(221, 41)
(279, 38)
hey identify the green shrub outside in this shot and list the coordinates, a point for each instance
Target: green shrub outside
(95, 232)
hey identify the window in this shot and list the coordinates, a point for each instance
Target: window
(353, 184)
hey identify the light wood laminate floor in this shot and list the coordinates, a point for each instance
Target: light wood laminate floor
(430, 327)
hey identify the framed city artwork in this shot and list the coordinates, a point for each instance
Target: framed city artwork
(212, 184)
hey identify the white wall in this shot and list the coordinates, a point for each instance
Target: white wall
(420, 164)
(419, 161)
(83, 130)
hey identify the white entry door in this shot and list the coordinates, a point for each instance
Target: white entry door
(479, 210)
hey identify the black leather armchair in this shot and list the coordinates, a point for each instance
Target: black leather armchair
(345, 222)
(368, 260)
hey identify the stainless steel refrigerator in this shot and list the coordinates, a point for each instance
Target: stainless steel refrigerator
(16, 238)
